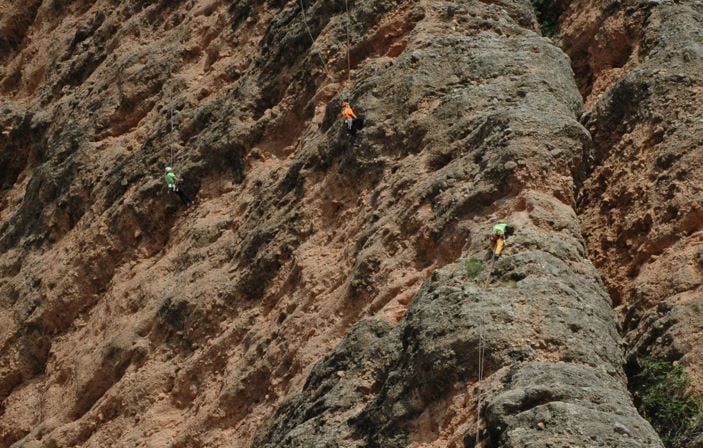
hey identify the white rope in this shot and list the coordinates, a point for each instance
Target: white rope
(481, 356)
(312, 39)
(172, 144)
(348, 25)
(481, 352)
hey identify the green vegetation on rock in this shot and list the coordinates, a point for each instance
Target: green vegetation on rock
(662, 398)
(473, 267)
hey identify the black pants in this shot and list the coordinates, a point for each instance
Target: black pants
(184, 198)
(356, 125)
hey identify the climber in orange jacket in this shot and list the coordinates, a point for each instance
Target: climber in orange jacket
(352, 123)
(348, 115)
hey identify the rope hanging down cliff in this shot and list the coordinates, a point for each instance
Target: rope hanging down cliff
(481, 357)
(172, 141)
(312, 39)
(348, 36)
(348, 24)
(352, 123)
(170, 177)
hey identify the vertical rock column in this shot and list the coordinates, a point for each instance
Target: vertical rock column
(553, 359)
(641, 204)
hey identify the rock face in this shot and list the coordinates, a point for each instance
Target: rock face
(317, 293)
(552, 348)
(641, 208)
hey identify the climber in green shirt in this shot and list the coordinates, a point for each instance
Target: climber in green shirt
(499, 233)
(173, 186)
(170, 178)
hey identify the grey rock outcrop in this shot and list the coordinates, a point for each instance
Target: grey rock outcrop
(552, 349)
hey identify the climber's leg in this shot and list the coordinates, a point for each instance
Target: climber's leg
(499, 246)
(184, 198)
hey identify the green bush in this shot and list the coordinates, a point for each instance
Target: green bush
(661, 397)
(548, 13)
(473, 267)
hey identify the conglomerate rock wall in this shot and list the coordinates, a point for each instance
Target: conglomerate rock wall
(316, 293)
(641, 207)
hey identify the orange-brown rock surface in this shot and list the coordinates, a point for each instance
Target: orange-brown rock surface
(641, 205)
(316, 292)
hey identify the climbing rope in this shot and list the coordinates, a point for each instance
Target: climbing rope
(312, 39)
(348, 25)
(482, 355)
(481, 352)
(172, 143)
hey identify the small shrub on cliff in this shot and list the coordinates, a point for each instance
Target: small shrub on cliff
(548, 13)
(473, 267)
(661, 396)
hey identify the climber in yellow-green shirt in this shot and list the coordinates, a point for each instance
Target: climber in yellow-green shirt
(499, 233)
